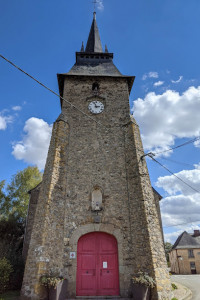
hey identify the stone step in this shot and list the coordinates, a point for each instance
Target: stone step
(99, 297)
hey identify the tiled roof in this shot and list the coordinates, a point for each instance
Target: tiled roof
(186, 241)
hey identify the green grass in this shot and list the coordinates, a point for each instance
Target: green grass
(12, 295)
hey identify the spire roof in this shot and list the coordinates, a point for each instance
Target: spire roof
(94, 41)
(93, 61)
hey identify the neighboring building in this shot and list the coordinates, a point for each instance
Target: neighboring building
(185, 254)
(94, 219)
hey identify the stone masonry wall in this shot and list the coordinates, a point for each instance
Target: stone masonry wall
(145, 216)
(46, 245)
(181, 265)
(33, 200)
(84, 154)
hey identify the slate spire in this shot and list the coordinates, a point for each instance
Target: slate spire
(94, 41)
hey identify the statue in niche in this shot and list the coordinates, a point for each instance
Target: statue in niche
(96, 199)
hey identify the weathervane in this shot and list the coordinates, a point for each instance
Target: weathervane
(95, 2)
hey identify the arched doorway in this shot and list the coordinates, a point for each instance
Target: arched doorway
(97, 265)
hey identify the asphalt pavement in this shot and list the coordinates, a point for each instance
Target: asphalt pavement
(190, 281)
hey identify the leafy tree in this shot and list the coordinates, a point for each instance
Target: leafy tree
(14, 197)
(14, 201)
(168, 247)
(5, 271)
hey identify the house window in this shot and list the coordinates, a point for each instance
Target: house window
(190, 253)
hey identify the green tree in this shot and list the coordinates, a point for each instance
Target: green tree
(14, 197)
(168, 247)
(11, 244)
(5, 271)
(14, 201)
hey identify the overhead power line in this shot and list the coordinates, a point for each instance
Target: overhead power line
(177, 162)
(88, 116)
(151, 156)
(180, 224)
(181, 145)
(72, 105)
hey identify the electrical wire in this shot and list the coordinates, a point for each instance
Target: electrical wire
(99, 123)
(181, 224)
(177, 162)
(150, 155)
(72, 105)
(181, 145)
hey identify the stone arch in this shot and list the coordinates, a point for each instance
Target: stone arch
(108, 228)
(95, 87)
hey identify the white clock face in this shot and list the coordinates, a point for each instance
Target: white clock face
(96, 107)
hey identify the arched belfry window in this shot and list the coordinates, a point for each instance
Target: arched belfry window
(95, 87)
(96, 199)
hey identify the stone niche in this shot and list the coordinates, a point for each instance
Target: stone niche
(97, 199)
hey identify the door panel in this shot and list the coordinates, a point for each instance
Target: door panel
(97, 265)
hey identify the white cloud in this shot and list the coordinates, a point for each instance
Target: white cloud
(4, 121)
(158, 83)
(197, 143)
(177, 81)
(173, 185)
(100, 5)
(182, 206)
(150, 75)
(16, 108)
(34, 145)
(165, 117)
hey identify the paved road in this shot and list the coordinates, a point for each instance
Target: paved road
(190, 281)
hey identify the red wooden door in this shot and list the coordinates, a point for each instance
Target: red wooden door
(97, 265)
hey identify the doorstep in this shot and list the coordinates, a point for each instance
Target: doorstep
(100, 297)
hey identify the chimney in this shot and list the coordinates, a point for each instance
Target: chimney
(196, 232)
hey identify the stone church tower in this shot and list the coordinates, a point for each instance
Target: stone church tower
(94, 219)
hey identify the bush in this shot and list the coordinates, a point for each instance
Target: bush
(174, 286)
(144, 279)
(5, 272)
(50, 280)
(11, 242)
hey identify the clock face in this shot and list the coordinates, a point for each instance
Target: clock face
(96, 107)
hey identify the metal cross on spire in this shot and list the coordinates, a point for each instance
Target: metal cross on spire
(95, 2)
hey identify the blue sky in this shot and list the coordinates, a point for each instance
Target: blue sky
(157, 41)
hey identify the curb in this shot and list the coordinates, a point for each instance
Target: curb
(186, 292)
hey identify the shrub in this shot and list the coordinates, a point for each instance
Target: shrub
(174, 286)
(50, 280)
(144, 279)
(5, 272)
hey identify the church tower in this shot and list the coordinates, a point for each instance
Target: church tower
(94, 219)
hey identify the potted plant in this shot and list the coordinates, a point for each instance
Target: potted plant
(54, 285)
(141, 286)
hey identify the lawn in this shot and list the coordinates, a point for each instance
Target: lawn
(12, 295)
